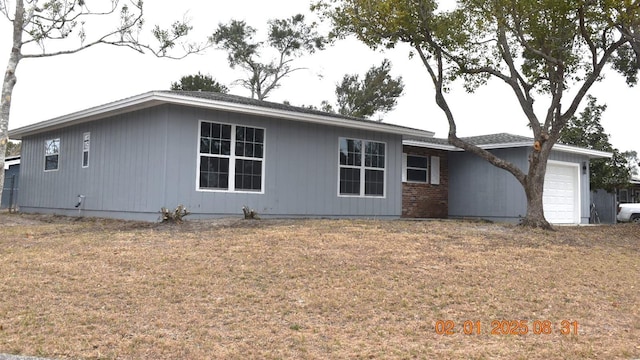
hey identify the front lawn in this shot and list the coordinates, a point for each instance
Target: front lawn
(103, 289)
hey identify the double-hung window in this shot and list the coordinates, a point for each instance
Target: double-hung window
(51, 154)
(361, 168)
(231, 157)
(421, 169)
(417, 169)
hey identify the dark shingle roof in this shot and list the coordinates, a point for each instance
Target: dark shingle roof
(267, 104)
(214, 101)
(491, 139)
(249, 101)
(501, 138)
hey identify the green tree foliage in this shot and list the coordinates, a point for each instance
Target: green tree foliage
(550, 52)
(377, 92)
(289, 38)
(633, 161)
(586, 131)
(199, 82)
(325, 106)
(46, 28)
(13, 149)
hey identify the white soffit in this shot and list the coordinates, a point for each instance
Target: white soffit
(557, 147)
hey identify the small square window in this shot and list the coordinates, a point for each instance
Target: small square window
(417, 169)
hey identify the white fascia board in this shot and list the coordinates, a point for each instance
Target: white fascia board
(506, 145)
(557, 147)
(594, 154)
(150, 99)
(134, 103)
(430, 145)
(453, 148)
(9, 163)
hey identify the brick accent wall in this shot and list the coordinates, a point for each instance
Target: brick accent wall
(427, 200)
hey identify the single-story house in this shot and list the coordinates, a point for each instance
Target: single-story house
(629, 193)
(215, 153)
(11, 182)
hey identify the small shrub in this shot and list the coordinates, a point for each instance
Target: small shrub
(249, 213)
(174, 216)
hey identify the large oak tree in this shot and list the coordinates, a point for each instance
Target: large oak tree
(551, 52)
(39, 24)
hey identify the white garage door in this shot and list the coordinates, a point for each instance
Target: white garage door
(561, 194)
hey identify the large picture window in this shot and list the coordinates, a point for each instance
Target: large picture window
(361, 168)
(230, 157)
(51, 154)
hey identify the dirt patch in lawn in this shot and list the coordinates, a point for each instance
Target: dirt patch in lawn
(104, 289)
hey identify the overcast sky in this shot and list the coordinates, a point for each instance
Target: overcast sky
(56, 86)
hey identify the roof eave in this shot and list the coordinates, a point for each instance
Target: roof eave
(134, 103)
(593, 154)
(156, 98)
(9, 163)
(454, 148)
(293, 115)
(430, 145)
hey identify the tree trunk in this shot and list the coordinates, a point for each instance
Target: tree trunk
(533, 189)
(535, 211)
(8, 85)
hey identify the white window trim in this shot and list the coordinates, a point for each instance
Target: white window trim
(232, 157)
(86, 136)
(363, 170)
(405, 167)
(58, 154)
(434, 170)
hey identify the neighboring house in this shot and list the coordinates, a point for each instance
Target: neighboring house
(629, 193)
(215, 153)
(606, 203)
(11, 182)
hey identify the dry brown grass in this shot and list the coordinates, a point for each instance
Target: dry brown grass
(100, 289)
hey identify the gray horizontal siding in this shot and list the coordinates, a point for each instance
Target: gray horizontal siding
(301, 176)
(125, 170)
(142, 161)
(478, 189)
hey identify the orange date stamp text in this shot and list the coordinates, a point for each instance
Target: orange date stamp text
(507, 327)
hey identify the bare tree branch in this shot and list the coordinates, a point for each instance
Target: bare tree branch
(591, 79)
(587, 38)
